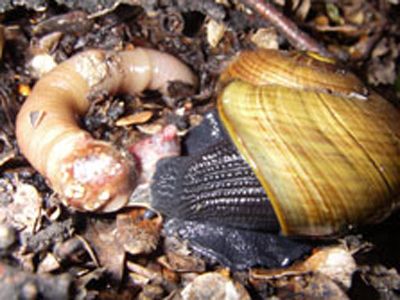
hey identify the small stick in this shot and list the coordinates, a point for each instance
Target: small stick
(288, 28)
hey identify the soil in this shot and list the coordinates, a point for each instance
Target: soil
(49, 251)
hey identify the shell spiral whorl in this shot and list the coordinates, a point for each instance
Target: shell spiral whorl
(326, 152)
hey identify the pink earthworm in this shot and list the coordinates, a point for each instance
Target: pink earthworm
(89, 174)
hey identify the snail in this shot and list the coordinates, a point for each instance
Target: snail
(300, 147)
(90, 175)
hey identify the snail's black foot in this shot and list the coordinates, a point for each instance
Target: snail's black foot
(228, 217)
(238, 249)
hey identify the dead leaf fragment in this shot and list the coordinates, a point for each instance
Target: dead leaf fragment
(334, 262)
(215, 32)
(25, 210)
(48, 264)
(180, 263)
(179, 258)
(143, 272)
(151, 291)
(137, 118)
(110, 253)
(137, 233)
(318, 286)
(302, 8)
(150, 129)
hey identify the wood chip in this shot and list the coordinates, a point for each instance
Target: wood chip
(137, 118)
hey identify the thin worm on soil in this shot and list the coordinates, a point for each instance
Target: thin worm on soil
(298, 38)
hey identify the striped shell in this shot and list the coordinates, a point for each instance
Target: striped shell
(325, 149)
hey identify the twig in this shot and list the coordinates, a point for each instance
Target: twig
(289, 29)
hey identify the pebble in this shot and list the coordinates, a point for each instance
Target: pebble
(7, 236)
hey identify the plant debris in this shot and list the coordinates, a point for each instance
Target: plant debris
(51, 252)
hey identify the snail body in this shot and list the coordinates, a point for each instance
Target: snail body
(324, 148)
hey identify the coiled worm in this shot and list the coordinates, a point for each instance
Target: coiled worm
(89, 174)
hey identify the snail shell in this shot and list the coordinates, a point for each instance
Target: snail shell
(325, 149)
(326, 152)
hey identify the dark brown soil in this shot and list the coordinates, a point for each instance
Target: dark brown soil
(50, 252)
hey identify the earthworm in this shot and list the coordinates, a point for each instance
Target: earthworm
(288, 28)
(89, 174)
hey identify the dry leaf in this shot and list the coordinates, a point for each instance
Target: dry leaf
(179, 258)
(326, 274)
(102, 237)
(48, 264)
(215, 32)
(137, 118)
(25, 210)
(136, 232)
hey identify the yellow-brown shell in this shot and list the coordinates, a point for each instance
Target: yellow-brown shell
(326, 150)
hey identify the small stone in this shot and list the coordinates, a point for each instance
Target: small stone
(7, 236)
(41, 64)
(214, 286)
(335, 262)
(266, 38)
(29, 291)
